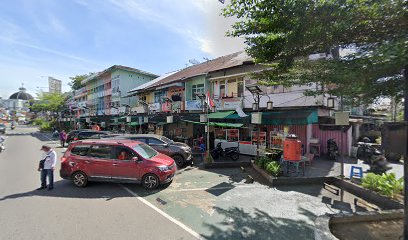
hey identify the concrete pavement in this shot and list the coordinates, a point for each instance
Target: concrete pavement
(100, 211)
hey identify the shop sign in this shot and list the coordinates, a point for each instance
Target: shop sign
(256, 118)
(193, 105)
(232, 103)
(232, 135)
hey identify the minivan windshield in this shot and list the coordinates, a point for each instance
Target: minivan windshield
(166, 140)
(145, 151)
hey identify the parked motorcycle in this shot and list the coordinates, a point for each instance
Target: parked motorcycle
(372, 154)
(231, 152)
(332, 149)
(368, 151)
(13, 126)
(379, 165)
(2, 147)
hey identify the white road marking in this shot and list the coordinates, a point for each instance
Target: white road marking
(177, 222)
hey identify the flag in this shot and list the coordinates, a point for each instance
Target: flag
(209, 101)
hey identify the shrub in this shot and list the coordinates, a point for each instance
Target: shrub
(274, 168)
(370, 181)
(386, 184)
(262, 161)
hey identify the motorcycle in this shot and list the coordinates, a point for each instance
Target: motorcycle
(379, 165)
(372, 154)
(2, 147)
(332, 149)
(231, 152)
(13, 127)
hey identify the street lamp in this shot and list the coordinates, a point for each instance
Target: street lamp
(256, 93)
(330, 102)
(269, 105)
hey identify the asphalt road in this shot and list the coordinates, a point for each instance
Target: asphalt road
(100, 211)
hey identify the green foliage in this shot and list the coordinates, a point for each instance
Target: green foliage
(386, 184)
(370, 181)
(262, 161)
(274, 168)
(280, 34)
(52, 102)
(76, 81)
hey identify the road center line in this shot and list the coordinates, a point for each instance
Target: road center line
(177, 222)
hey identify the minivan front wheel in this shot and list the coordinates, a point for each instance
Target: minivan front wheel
(150, 181)
(80, 179)
(179, 160)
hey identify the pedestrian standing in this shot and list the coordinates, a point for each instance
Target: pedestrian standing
(47, 167)
(63, 137)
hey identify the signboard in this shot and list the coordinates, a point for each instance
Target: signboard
(233, 135)
(154, 107)
(54, 85)
(262, 138)
(146, 119)
(139, 109)
(220, 133)
(256, 118)
(232, 103)
(203, 117)
(193, 105)
(169, 119)
(342, 118)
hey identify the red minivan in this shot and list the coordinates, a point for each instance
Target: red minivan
(123, 161)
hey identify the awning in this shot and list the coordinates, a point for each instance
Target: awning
(134, 124)
(290, 117)
(218, 124)
(115, 123)
(220, 115)
(161, 123)
(235, 116)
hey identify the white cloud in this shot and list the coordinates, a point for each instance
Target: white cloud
(205, 30)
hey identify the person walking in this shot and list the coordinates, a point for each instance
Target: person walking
(47, 167)
(63, 137)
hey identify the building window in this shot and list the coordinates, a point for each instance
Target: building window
(240, 87)
(196, 89)
(222, 89)
(158, 97)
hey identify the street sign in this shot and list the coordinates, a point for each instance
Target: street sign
(203, 117)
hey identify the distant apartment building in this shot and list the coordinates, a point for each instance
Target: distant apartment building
(104, 93)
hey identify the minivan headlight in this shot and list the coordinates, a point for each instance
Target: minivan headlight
(163, 168)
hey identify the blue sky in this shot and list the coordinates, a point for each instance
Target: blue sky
(63, 38)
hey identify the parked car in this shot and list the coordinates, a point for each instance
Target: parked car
(76, 135)
(180, 152)
(2, 128)
(113, 160)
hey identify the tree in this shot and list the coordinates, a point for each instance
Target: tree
(76, 81)
(281, 34)
(49, 102)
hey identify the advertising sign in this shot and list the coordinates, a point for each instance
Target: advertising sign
(232, 103)
(193, 105)
(262, 138)
(154, 107)
(232, 135)
(54, 85)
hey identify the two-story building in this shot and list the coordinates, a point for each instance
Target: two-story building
(226, 80)
(103, 94)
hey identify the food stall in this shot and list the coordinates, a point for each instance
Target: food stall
(230, 138)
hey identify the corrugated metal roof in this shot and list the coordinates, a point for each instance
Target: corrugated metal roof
(118, 67)
(148, 84)
(224, 62)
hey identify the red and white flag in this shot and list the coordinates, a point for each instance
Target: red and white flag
(209, 101)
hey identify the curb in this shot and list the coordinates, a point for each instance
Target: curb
(322, 223)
